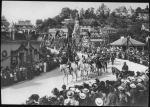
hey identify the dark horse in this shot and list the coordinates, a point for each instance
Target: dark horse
(122, 74)
(116, 71)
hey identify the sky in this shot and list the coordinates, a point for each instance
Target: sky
(33, 10)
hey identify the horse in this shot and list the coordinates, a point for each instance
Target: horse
(81, 67)
(116, 71)
(99, 66)
(65, 69)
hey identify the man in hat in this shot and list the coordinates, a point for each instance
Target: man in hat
(69, 65)
(123, 99)
(83, 99)
(55, 92)
(111, 99)
(70, 100)
(133, 94)
(125, 67)
(63, 92)
(33, 99)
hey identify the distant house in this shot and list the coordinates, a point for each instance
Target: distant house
(108, 30)
(20, 30)
(62, 31)
(145, 26)
(143, 14)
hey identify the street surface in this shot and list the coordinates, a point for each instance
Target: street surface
(43, 84)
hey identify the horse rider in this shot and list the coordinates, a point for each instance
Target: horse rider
(83, 59)
(69, 65)
(77, 59)
(112, 58)
(125, 68)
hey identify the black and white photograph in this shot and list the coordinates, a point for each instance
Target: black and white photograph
(71, 53)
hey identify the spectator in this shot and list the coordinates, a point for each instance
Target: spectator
(55, 92)
(44, 101)
(70, 100)
(123, 99)
(99, 102)
(111, 97)
(63, 92)
(33, 99)
(83, 99)
(133, 94)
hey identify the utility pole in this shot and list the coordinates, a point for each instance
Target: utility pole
(128, 38)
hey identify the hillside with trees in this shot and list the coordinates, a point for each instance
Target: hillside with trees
(126, 20)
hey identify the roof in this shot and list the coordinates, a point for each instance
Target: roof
(123, 42)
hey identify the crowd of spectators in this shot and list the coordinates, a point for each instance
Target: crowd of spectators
(10, 76)
(126, 91)
(137, 56)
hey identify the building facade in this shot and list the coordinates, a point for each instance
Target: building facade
(15, 53)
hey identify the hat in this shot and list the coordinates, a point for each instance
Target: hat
(122, 80)
(82, 95)
(54, 90)
(63, 86)
(126, 81)
(120, 88)
(34, 97)
(85, 90)
(99, 101)
(140, 85)
(72, 89)
(70, 94)
(132, 85)
(78, 91)
(139, 80)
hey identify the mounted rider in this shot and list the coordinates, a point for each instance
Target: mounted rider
(77, 59)
(69, 65)
(83, 59)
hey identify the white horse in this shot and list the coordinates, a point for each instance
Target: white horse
(85, 69)
(64, 68)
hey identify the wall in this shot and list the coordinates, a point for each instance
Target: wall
(14, 45)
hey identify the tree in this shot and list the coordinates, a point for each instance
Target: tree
(138, 9)
(92, 14)
(82, 13)
(87, 13)
(102, 12)
(4, 22)
(65, 12)
(39, 22)
(111, 20)
(73, 13)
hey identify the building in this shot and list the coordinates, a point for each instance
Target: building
(15, 53)
(20, 29)
(145, 26)
(143, 14)
(108, 30)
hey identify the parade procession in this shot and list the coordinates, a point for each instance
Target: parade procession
(70, 54)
